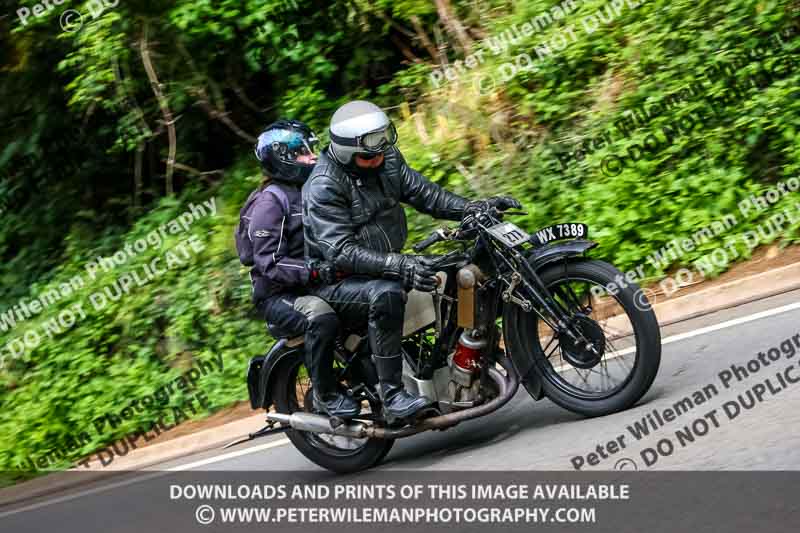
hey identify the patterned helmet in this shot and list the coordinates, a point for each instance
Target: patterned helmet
(279, 147)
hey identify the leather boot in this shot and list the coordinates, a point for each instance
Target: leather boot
(336, 404)
(326, 396)
(397, 401)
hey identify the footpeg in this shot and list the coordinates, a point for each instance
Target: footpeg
(427, 412)
(412, 419)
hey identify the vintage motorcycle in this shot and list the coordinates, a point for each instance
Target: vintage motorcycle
(511, 308)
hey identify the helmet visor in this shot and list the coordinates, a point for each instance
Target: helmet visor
(302, 152)
(380, 140)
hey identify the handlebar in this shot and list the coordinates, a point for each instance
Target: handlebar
(444, 234)
(432, 239)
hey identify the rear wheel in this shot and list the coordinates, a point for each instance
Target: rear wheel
(333, 452)
(617, 366)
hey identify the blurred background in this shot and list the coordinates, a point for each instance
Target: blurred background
(119, 114)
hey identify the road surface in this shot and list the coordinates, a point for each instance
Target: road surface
(711, 432)
(528, 435)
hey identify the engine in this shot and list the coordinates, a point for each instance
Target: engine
(464, 364)
(459, 384)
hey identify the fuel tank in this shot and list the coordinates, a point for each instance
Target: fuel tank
(420, 308)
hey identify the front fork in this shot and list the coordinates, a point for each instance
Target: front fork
(549, 310)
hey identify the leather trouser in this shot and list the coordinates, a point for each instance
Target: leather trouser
(380, 306)
(288, 315)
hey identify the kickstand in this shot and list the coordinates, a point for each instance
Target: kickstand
(269, 429)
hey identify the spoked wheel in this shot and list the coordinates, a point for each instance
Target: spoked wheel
(617, 358)
(333, 452)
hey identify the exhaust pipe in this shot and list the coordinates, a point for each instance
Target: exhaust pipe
(319, 424)
(507, 386)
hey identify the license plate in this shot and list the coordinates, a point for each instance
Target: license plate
(509, 234)
(561, 231)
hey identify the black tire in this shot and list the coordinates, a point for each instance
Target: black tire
(313, 446)
(645, 330)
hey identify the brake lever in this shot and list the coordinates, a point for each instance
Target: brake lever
(442, 259)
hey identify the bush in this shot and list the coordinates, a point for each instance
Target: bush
(718, 139)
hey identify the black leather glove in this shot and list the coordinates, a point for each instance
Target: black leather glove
(321, 272)
(499, 203)
(416, 272)
(503, 203)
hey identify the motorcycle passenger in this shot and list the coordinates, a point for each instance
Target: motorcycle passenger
(272, 225)
(353, 218)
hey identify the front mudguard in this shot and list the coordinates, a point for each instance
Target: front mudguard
(262, 371)
(556, 251)
(521, 355)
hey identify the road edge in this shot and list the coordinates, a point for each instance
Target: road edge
(671, 311)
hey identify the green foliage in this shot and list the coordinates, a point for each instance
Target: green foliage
(642, 56)
(130, 347)
(86, 127)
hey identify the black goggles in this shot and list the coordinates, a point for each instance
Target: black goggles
(373, 142)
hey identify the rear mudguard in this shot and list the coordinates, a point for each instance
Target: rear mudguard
(262, 370)
(521, 355)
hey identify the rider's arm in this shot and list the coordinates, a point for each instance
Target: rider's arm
(327, 212)
(271, 244)
(426, 196)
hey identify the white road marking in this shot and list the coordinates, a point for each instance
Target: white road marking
(230, 455)
(284, 441)
(89, 492)
(731, 323)
(145, 477)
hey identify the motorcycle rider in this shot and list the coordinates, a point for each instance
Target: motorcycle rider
(280, 274)
(353, 218)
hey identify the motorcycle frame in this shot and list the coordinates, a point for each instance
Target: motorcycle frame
(490, 255)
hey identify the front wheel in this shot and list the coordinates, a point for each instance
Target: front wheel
(337, 453)
(617, 366)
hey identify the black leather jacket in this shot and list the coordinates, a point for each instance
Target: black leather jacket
(355, 222)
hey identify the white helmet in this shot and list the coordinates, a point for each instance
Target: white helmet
(360, 127)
